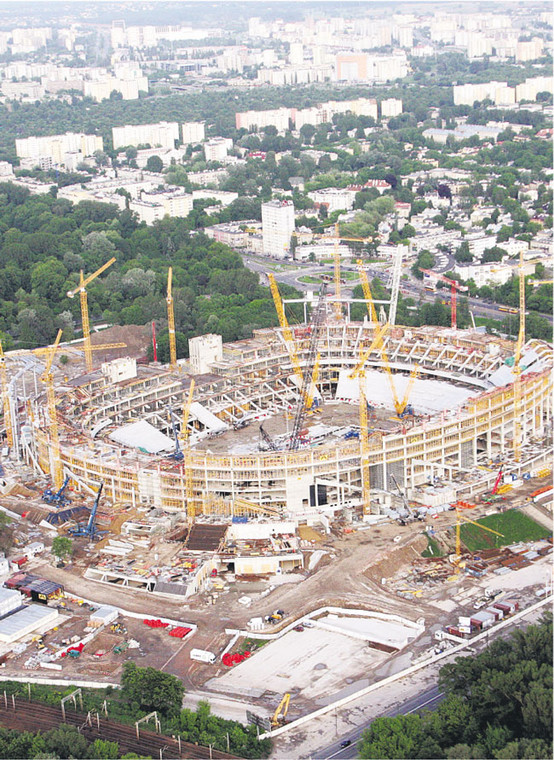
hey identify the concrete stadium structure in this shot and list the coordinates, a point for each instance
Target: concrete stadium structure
(254, 381)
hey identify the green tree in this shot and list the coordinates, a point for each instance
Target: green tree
(154, 164)
(100, 749)
(150, 689)
(62, 547)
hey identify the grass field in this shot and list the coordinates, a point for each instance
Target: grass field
(433, 548)
(514, 525)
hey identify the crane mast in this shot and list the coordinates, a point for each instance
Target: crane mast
(517, 364)
(5, 398)
(171, 322)
(311, 364)
(47, 377)
(83, 282)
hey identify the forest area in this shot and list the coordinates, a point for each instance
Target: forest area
(45, 242)
(498, 705)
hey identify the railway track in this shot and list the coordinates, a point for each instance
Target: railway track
(33, 716)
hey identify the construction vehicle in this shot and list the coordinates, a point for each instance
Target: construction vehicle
(280, 714)
(89, 529)
(177, 454)
(457, 558)
(267, 439)
(410, 512)
(81, 289)
(311, 371)
(454, 286)
(57, 498)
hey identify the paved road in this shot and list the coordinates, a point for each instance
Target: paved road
(427, 699)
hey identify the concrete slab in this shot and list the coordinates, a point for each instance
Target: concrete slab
(313, 662)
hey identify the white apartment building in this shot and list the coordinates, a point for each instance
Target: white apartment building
(56, 146)
(530, 50)
(154, 206)
(391, 107)
(208, 177)
(193, 132)
(217, 148)
(277, 117)
(102, 89)
(163, 134)
(493, 273)
(225, 197)
(277, 228)
(529, 89)
(479, 243)
(335, 199)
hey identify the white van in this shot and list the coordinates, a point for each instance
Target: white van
(202, 655)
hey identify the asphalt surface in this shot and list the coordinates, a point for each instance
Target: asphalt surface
(425, 700)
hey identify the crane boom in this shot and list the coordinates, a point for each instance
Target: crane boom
(171, 322)
(378, 336)
(81, 289)
(517, 364)
(459, 523)
(336, 257)
(454, 286)
(287, 332)
(364, 446)
(281, 712)
(48, 378)
(5, 398)
(367, 292)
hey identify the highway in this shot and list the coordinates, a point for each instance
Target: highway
(425, 700)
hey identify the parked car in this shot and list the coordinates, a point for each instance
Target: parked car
(346, 743)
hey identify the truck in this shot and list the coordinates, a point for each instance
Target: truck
(202, 655)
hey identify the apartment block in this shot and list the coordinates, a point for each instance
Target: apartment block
(277, 228)
(193, 132)
(391, 107)
(56, 146)
(164, 134)
(217, 148)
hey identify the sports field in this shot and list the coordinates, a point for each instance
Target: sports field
(514, 525)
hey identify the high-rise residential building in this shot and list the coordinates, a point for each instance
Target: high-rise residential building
(217, 148)
(391, 107)
(193, 132)
(56, 146)
(277, 228)
(164, 134)
(529, 50)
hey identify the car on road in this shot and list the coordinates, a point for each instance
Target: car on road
(346, 743)
(298, 628)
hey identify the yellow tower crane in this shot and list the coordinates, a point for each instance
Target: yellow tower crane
(5, 398)
(377, 341)
(189, 486)
(81, 289)
(171, 321)
(367, 292)
(399, 404)
(287, 332)
(364, 445)
(47, 377)
(517, 364)
(459, 524)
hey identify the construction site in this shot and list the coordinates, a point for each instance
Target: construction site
(295, 506)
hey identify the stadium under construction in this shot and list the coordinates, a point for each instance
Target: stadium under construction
(301, 421)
